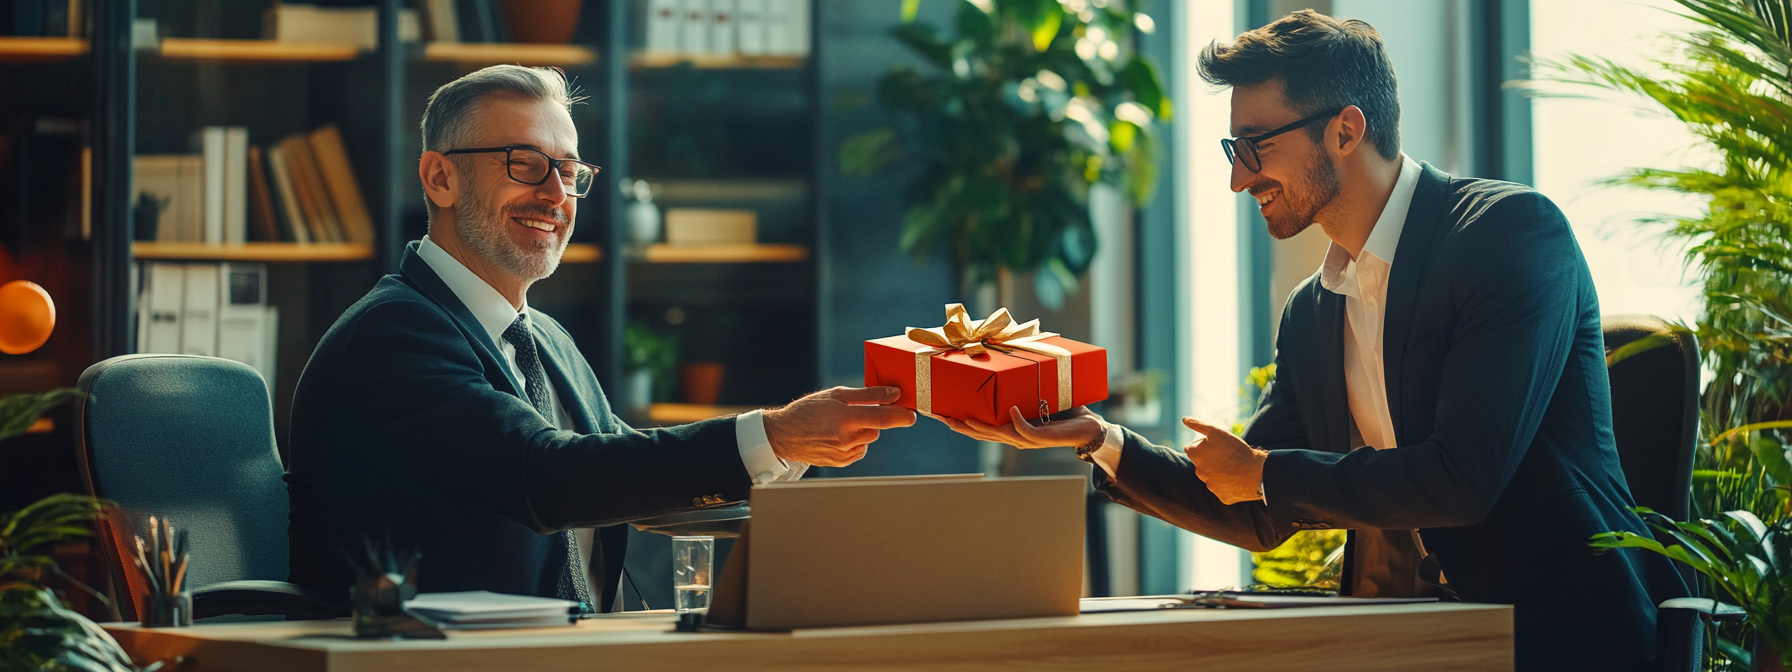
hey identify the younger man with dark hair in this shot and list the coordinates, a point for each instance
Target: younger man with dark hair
(1441, 387)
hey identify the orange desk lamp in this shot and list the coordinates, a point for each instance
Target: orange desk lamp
(27, 316)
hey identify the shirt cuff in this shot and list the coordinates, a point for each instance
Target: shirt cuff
(763, 465)
(1108, 455)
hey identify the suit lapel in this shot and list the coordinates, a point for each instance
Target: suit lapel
(420, 275)
(1329, 313)
(1411, 257)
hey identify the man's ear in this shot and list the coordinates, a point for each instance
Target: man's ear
(440, 178)
(1353, 127)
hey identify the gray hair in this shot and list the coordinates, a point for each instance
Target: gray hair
(448, 115)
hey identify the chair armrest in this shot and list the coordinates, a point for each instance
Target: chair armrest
(262, 598)
(1707, 608)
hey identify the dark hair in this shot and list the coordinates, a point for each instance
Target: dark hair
(1323, 64)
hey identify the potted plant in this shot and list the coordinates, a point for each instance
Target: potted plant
(1014, 118)
(37, 632)
(1750, 560)
(652, 357)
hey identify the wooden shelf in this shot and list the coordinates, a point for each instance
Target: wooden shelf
(489, 53)
(258, 51)
(270, 252)
(582, 253)
(652, 61)
(725, 254)
(38, 49)
(679, 414)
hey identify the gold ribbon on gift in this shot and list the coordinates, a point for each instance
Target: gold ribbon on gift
(997, 332)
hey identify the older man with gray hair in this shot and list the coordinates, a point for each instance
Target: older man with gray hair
(445, 410)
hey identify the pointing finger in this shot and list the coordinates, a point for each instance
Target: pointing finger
(1199, 426)
(882, 417)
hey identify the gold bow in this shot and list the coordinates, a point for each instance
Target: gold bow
(997, 332)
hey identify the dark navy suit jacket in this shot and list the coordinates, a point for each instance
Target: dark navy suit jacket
(1496, 381)
(406, 417)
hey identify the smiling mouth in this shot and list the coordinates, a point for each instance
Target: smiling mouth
(1264, 201)
(537, 224)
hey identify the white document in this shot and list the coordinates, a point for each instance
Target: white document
(722, 20)
(236, 184)
(212, 147)
(694, 40)
(164, 287)
(749, 26)
(665, 19)
(199, 311)
(485, 609)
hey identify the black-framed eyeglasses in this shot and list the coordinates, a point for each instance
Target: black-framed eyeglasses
(1245, 149)
(529, 166)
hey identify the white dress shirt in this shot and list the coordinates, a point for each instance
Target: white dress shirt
(495, 314)
(1363, 282)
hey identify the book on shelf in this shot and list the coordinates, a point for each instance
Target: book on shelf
(285, 22)
(723, 31)
(213, 151)
(314, 201)
(694, 32)
(701, 226)
(264, 225)
(441, 20)
(286, 197)
(236, 184)
(664, 22)
(212, 309)
(339, 181)
(749, 22)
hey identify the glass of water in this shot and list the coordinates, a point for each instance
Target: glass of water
(691, 561)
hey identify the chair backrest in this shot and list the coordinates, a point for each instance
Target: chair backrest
(1655, 411)
(190, 439)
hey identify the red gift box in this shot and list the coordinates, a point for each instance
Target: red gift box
(977, 370)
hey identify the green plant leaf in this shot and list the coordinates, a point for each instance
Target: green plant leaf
(19, 411)
(909, 9)
(1046, 25)
(862, 155)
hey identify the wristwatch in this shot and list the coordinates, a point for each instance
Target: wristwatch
(1086, 452)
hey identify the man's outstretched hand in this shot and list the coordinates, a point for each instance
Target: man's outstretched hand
(832, 428)
(1075, 428)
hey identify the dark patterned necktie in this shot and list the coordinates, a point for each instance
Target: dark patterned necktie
(573, 583)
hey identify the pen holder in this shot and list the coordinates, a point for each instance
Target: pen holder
(161, 610)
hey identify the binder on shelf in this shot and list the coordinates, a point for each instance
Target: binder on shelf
(665, 20)
(199, 311)
(243, 318)
(694, 31)
(313, 200)
(722, 24)
(339, 181)
(698, 226)
(164, 287)
(236, 184)
(213, 151)
(749, 24)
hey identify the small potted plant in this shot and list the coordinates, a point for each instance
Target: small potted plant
(652, 358)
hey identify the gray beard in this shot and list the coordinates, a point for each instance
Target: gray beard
(1320, 189)
(482, 229)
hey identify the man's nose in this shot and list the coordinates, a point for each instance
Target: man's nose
(1242, 177)
(553, 191)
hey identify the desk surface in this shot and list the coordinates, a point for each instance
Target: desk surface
(1333, 639)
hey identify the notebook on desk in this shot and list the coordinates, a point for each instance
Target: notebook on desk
(846, 551)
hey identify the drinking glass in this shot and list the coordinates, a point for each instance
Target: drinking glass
(691, 560)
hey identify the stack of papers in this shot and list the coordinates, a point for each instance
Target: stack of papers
(480, 609)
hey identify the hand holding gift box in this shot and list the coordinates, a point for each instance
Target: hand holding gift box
(977, 370)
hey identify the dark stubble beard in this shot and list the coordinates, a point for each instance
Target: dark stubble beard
(482, 228)
(1320, 188)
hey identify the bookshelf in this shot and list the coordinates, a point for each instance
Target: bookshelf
(652, 60)
(39, 49)
(662, 253)
(679, 414)
(256, 51)
(582, 253)
(487, 53)
(268, 252)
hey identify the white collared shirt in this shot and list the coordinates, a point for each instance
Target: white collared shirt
(495, 314)
(1364, 284)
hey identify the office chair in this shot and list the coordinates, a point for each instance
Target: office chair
(1655, 417)
(191, 439)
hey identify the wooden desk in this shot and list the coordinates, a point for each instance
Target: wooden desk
(1334, 639)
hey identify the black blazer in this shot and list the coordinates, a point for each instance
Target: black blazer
(407, 417)
(1496, 380)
